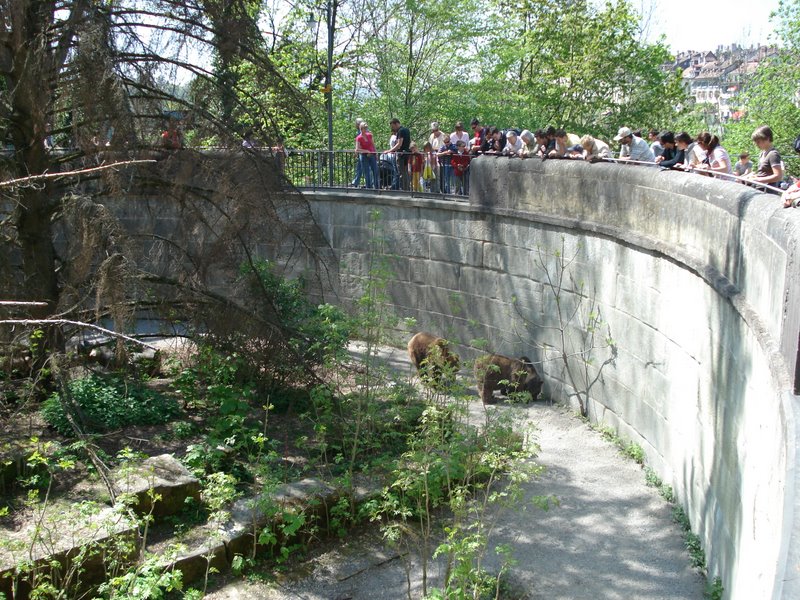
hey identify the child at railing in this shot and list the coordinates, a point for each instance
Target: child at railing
(429, 168)
(445, 154)
(460, 163)
(416, 161)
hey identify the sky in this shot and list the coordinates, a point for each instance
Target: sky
(706, 24)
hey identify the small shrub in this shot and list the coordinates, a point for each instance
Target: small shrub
(667, 493)
(634, 451)
(109, 404)
(696, 555)
(714, 590)
(183, 430)
(651, 478)
(691, 540)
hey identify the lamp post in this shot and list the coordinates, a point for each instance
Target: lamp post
(330, 25)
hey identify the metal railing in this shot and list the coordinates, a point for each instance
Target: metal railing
(345, 169)
(320, 169)
(764, 187)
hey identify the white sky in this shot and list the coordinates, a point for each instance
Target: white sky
(706, 24)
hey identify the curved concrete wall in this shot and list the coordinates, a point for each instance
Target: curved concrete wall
(697, 281)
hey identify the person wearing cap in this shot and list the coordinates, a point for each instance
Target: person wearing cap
(436, 139)
(633, 147)
(743, 166)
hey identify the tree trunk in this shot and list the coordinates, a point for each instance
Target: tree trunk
(30, 76)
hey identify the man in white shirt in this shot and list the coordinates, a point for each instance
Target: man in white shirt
(632, 147)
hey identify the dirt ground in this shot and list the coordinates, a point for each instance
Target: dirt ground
(611, 536)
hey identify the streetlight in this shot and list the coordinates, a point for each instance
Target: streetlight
(330, 23)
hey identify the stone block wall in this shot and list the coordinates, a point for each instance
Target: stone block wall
(696, 283)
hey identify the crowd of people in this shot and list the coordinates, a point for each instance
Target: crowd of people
(442, 163)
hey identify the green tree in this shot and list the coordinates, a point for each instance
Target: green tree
(580, 65)
(96, 79)
(772, 96)
(511, 64)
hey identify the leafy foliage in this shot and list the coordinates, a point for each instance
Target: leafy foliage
(582, 65)
(106, 404)
(316, 331)
(592, 79)
(771, 95)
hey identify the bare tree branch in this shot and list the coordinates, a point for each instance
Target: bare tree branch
(77, 172)
(114, 334)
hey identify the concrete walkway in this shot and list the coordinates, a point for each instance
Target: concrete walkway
(611, 537)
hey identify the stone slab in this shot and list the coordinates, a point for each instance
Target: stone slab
(161, 476)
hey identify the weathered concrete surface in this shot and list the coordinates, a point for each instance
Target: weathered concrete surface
(612, 537)
(697, 281)
(216, 546)
(65, 539)
(162, 477)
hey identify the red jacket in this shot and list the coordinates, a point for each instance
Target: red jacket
(416, 160)
(460, 163)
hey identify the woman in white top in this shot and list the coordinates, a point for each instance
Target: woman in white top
(459, 135)
(529, 146)
(717, 158)
(513, 143)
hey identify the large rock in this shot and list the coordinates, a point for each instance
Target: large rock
(168, 479)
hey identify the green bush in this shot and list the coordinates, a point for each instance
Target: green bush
(315, 332)
(109, 404)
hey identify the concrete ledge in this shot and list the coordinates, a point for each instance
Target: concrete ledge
(207, 546)
(66, 539)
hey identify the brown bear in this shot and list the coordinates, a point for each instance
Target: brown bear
(432, 357)
(517, 375)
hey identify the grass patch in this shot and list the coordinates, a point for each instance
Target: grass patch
(630, 449)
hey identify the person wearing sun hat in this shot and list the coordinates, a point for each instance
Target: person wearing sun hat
(436, 138)
(632, 147)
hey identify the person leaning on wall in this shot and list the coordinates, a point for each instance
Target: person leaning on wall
(791, 197)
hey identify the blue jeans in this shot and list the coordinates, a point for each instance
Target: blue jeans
(368, 164)
(357, 178)
(447, 175)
